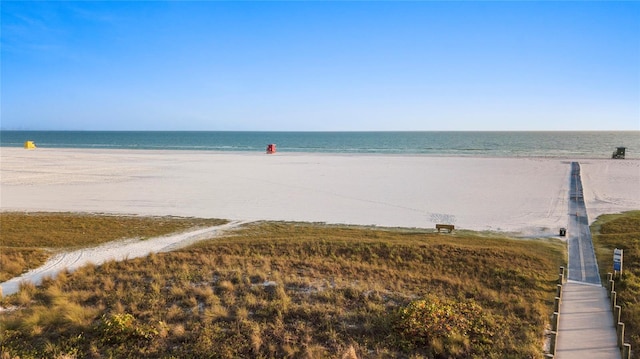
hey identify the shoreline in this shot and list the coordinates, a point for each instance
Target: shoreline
(281, 152)
(524, 195)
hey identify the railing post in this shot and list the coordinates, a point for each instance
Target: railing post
(559, 291)
(555, 320)
(626, 351)
(616, 314)
(613, 300)
(612, 286)
(620, 332)
(556, 304)
(554, 342)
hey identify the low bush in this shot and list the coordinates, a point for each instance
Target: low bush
(446, 327)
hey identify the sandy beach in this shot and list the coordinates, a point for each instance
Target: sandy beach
(525, 196)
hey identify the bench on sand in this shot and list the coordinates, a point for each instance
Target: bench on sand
(447, 227)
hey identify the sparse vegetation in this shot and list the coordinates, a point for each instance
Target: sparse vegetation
(298, 290)
(27, 238)
(622, 231)
(15, 261)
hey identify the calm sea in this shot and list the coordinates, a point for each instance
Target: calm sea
(491, 144)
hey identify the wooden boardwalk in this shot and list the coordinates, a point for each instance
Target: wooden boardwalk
(585, 327)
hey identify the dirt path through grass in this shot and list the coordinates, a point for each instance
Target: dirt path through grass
(117, 250)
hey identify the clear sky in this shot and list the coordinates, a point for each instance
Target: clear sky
(327, 66)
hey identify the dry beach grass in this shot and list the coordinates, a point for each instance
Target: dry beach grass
(284, 289)
(622, 231)
(28, 239)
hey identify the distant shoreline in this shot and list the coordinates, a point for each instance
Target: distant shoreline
(550, 144)
(294, 154)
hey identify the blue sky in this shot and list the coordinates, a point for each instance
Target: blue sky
(329, 66)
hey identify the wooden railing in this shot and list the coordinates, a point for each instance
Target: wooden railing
(617, 313)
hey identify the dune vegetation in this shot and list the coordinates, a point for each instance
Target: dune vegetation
(622, 231)
(28, 239)
(298, 290)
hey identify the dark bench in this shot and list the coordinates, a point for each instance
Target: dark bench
(447, 227)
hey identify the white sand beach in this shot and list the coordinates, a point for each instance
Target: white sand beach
(525, 196)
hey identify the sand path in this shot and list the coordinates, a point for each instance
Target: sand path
(116, 250)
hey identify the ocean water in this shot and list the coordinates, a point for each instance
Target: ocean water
(562, 144)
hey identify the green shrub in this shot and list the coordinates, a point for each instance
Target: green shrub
(444, 327)
(123, 328)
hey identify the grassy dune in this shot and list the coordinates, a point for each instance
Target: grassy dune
(28, 238)
(299, 290)
(622, 231)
